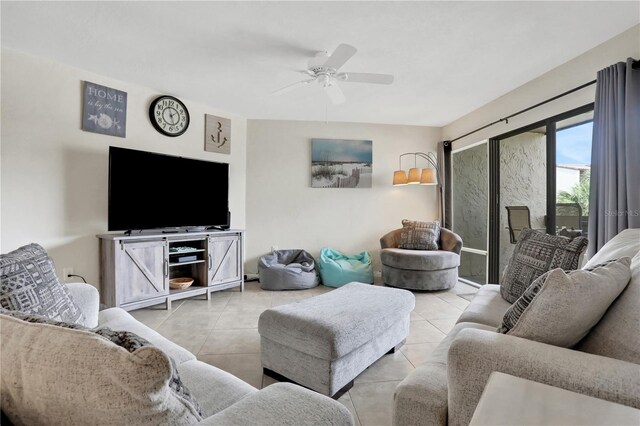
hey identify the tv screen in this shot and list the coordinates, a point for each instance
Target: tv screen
(149, 191)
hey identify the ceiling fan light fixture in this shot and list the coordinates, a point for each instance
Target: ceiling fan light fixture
(323, 68)
(324, 80)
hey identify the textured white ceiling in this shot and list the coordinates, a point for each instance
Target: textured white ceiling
(448, 58)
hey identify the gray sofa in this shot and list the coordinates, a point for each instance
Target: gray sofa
(605, 364)
(421, 269)
(224, 399)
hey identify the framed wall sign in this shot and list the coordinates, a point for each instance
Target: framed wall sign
(217, 134)
(104, 110)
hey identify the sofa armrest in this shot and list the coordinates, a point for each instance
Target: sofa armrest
(87, 298)
(283, 404)
(475, 354)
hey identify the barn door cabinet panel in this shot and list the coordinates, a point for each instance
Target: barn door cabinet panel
(225, 260)
(135, 271)
(143, 265)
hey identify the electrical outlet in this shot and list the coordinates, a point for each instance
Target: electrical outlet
(274, 248)
(65, 274)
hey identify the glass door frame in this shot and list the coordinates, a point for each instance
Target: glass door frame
(469, 249)
(494, 183)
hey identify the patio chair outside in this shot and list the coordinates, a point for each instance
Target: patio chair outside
(568, 215)
(518, 218)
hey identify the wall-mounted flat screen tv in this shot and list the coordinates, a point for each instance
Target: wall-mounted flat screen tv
(151, 191)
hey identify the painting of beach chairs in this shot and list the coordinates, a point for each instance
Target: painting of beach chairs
(341, 163)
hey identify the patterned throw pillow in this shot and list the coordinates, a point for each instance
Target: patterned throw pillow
(419, 235)
(560, 308)
(125, 339)
(29, 284)
(535, 254)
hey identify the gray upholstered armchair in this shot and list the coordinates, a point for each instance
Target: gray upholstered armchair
(421, 269)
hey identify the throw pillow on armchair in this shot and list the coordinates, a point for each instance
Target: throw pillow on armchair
(418, 235)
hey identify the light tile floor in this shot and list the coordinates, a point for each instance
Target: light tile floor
(223, 332)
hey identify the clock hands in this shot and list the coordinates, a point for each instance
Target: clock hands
(172, 114)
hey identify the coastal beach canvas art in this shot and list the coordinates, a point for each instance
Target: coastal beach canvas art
(341, 163)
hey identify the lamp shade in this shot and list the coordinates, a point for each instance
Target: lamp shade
(400, 178)
(414, 176)
(428, 177)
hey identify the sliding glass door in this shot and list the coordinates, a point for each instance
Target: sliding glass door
(573, 173)
(470, 200)
(534, 177)
(523, 188)
(539, 179)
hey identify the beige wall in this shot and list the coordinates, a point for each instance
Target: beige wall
(578, 71)
(283, 210)
(55, 176)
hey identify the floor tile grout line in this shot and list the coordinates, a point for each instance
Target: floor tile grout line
(354, 407)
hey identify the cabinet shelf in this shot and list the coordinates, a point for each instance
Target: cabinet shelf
(174, 253)
(192, 289)
(185, 263)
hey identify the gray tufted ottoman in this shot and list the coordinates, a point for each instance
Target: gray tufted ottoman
(325, 342)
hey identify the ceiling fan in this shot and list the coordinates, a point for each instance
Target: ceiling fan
(323, 69)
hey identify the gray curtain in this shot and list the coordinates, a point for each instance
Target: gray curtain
(441, 183)
(614, 200)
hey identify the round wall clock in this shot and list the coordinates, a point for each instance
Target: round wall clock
(169, 116)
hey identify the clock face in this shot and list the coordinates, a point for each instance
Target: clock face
(169, 116)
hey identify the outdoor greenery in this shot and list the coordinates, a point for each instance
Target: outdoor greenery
(578, 194)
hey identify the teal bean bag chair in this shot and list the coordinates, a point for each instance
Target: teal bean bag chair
(337, 269)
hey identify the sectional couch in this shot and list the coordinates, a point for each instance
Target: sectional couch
(605, 364)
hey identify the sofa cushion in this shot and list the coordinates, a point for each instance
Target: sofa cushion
(119, 319)
(57, 375)
(418, 235)
(487, 307)
(560, 308)
(29, 284)
(625, 244)
(535, 254)
(419, 260)
(617, 335)
(284, 404)
(214, 389)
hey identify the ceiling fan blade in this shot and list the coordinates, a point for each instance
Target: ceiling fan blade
(293, 86)
(335, 94)
(365, 77)
(342, 54)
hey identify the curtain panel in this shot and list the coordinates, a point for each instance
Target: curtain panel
(614, 200)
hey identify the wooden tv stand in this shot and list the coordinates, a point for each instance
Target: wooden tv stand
(135, 269)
